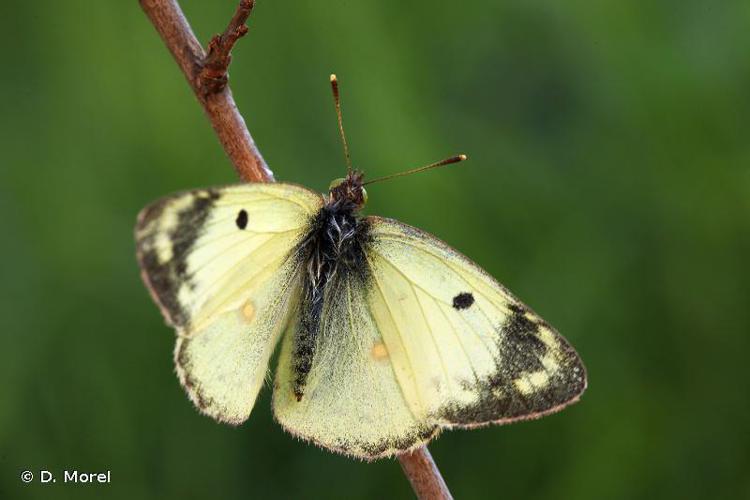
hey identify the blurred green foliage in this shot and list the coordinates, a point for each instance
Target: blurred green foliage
(608, 186)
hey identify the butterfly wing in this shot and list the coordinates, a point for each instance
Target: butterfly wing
(352, 402)
(427, 341)
(220, 264)
(465, 351)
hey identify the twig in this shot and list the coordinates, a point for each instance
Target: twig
(207, 76)
(169, 21)
(213, 77)
(424, 475)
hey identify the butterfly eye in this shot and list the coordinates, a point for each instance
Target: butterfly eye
(364, 196)
(336, 182)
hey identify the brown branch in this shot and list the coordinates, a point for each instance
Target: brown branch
(219, 106)
(207, 76)
(213, 77)
(424, 475)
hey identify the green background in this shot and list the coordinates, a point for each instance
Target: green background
(608, 186)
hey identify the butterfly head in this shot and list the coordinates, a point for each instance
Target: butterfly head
(348, 192)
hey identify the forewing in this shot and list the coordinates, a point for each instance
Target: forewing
(220, 265)
(465, 351)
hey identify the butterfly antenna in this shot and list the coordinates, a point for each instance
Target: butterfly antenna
(337, 101)
(447, 161)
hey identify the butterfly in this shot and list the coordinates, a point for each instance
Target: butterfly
(388, 335)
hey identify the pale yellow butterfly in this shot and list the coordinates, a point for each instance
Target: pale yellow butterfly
(388, 335)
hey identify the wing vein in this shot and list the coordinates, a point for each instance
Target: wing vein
(458, 339)
(202, 296)
(484, 313)
(223, 202)
(401, 339)
(362, 352)
(447, 262)
(443, 367)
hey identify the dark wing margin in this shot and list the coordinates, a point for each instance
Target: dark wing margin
(524, 386)
(163, 244)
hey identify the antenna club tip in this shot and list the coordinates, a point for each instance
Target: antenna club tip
(333, 78)
(462, 157)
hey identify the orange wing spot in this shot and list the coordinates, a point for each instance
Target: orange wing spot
(379, 351)
(248, 311)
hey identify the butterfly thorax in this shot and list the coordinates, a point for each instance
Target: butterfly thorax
(332, 251)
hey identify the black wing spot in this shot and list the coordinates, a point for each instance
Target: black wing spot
(463, 300)
(241, 219)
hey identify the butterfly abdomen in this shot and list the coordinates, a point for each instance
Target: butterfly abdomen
(333, 249)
